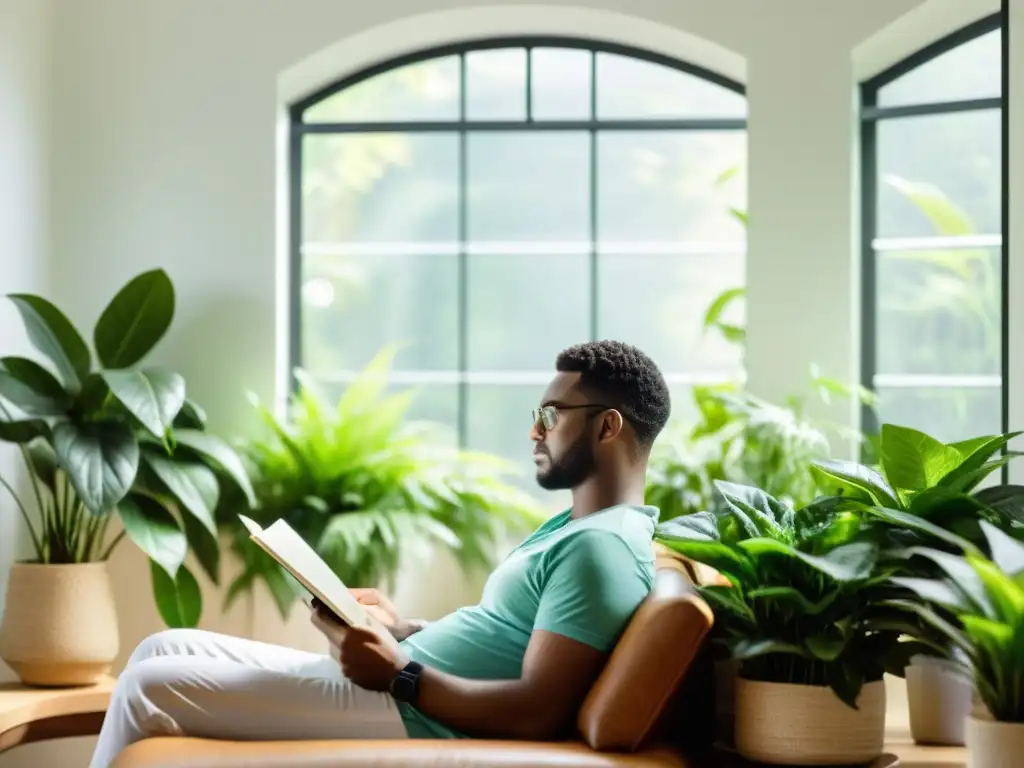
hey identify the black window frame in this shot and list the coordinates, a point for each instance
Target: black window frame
(871, 114)
(298, 130)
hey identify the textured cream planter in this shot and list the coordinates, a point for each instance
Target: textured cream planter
(59, 624)
(784, 724)
(940, 701)
(991, 744)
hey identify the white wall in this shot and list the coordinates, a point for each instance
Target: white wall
(1015, 280)
(24, 136)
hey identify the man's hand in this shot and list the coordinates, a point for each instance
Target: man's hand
(384, 611)
(364, 657)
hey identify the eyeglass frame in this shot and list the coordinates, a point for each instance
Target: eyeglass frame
(537, 413)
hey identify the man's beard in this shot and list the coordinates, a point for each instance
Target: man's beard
(569, 471)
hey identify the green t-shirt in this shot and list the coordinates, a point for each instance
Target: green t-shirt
(579, 578)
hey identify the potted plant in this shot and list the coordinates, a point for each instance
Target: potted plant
(103, 438)
(366, 487)
(926, 493)
(986, 596)
(801, 615)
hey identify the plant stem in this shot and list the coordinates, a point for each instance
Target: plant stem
(28, 522)
(113, 544)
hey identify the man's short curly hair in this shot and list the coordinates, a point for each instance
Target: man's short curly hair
(624, 378)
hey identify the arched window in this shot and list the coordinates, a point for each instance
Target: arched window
(933, 222)
(486, 205)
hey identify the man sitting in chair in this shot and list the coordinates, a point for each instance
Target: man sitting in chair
(516, 666)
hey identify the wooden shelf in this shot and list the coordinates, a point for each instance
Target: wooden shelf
(34, 714)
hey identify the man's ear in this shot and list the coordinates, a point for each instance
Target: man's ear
(611, 425)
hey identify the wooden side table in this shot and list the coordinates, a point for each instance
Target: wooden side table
(36, 714)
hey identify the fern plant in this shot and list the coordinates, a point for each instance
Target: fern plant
(365, 486)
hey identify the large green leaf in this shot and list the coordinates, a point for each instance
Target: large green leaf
(965, 476)
(794, 598)
(135, 320)
(101, 459)
(913, 461)
(53, 334)
(1006, 552)
(204, 545)
(192, 483)
(906, 520)
(713, 554)
(752, 506)
(219, 452)
(1006, 595)
(700, 526)
(932, 618)
(850, 562)
(1008, 499)
(179, 600)
(932, 590)
(24, 431)
(963, 576)
(748, 648)
(153, 396)
(32, 388)
(847, 478)
(191, 416)
(154, 530)
(826, 646)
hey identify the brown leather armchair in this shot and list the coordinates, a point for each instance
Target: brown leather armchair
(650, 704)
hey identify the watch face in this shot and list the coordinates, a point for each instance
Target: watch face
(403, 688)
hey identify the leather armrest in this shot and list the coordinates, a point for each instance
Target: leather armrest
(174, 752)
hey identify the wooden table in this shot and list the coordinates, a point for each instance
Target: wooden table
(36, 714)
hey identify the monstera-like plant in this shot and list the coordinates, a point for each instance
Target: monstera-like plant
(106, 437)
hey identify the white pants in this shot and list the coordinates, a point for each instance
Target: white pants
(190, 682)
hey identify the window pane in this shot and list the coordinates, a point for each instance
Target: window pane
(658, 304)
(655, 186)
(630, 88)
(952, 163)
(496, 85)
(427, 90)
(528, 186)
(437, 403)
(380, 187)
(939, 312)
(523, 310)
(969, 71)
(946, 414)
(560, 84)
(354, 305)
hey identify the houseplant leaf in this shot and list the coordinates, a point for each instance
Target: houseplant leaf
(1006, 552)
(154, 530)
(31, 388)
(221, 453)
(700, 526)
(179, 600)
(906, 520)
(101, 459)
(191, 416)
(153, 396)
(913, 461)
(752, 505)
(53, 334)
(969, 473)
(24, 431)
(193, 484)
(205, 546)
(850, 562)
(1008, 499)
(135, 320)
(847, 478)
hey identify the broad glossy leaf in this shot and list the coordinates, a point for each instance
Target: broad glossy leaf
(994, 636)
(851, 562)
(179, 600)
(153, 396)
(32, 388)
(101, 459)
(965, 476)
(52, 333)
(191, 416)
(24, 431)
(44, 463)
(1006, 595)
(154, 530)
(906, 520)
(1008, 499)
(962, 574)
(205, 545)
(925, 612)
(913, 460)
(794, 598)
(728, 599)
(847, 478)
(749, 648)
(191, 483)
(826, 647)
(135, 320)
(701, 526)
(846, 681)
(932, 590)
(713, 554)
(216, 450)
(748, 503)
(971, 480)
(1006, 552)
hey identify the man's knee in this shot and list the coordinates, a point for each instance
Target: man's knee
(147, 693)
(167, 642)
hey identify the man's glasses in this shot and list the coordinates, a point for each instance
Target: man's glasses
(547, 416)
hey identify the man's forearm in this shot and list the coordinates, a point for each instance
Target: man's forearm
(484, 708)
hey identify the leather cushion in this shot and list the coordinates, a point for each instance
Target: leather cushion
(649, 663)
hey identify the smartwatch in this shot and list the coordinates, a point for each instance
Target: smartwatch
(406, 684)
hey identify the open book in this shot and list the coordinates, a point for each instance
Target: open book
(282, 543)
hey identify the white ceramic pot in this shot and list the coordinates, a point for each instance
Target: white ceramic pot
(940, 699)
(785, 724)
(59, 625)
(991, 744)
